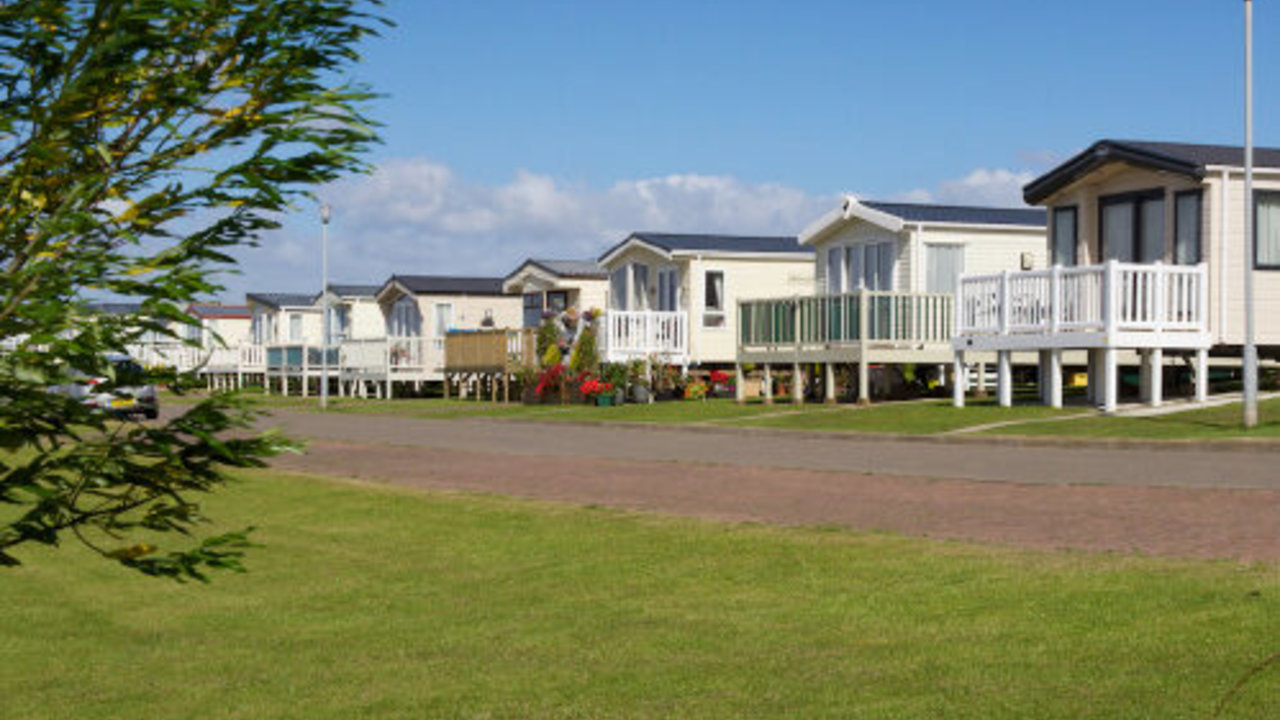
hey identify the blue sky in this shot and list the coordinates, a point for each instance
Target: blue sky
(552, 128)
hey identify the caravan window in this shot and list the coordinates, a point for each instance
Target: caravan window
(713, 307)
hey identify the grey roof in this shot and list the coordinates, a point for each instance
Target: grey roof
(1183, 158)
(280, 300)
(116, 308)
(343, 290)
(968, 214)
(218, 310)
(448, 285)
(716, 243)
(570, 268)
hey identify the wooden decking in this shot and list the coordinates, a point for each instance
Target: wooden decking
(476, 361)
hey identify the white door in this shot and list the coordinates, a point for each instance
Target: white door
(443, 322)
(943, 266)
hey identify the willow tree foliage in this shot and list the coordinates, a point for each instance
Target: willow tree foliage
(140, 141)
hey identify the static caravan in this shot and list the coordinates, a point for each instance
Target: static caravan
(884, 279)
(354, 313)
(557, 285)
(1148, 257)
(419, 311)
(673, 298)
(283, 318)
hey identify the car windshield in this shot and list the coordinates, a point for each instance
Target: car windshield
(128, 372)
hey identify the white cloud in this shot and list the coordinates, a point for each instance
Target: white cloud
(416, 216)
(996, 187)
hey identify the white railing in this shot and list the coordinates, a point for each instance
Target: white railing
(407, 355)
(1124, 297)
(630, 335)
(827, 321)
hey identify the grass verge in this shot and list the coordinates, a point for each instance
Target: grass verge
(375, 602)
(1213, 423)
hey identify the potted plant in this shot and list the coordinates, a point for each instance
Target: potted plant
(696, 390)
(597, 391)
(616, 374)
(638, 380)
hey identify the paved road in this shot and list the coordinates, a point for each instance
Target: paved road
(1185, 466)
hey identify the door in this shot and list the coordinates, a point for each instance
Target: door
(532, 309)
(943, 267)
(443, 322)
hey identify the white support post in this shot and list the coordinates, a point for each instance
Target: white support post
(1004, 381)
(830, 384)
(1155, 390)
(766, 385)
(864, 382)
(1055, 378)
(1004, 302)
(1111, 379)
(1202, 375)
(982, 379)
(1111, 299)
(1055, 298)
(739, 384)
(958, 380)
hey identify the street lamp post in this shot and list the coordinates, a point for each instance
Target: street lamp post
(1250, 354)
(324, 305)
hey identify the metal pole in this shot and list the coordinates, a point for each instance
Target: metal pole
(1250, 348)
(324, 306)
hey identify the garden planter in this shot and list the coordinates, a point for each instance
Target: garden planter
(604, 401)
(640, 394)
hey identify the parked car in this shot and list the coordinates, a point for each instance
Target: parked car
(126, 392)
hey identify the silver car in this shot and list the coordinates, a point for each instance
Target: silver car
(125, 393)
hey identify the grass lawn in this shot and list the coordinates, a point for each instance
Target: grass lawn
(1215, 423)
(925, 417)
(373, 602)
(659, 412)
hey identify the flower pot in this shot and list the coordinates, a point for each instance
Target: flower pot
(639, 394)
(619, 396)
(604, 401)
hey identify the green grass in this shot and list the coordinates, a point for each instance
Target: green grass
(1215, 423)
(660, 412)
(924, 417)
(380, 603)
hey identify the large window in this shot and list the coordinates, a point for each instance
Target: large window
(713, 307)
(1132, 226)
(1063, 237)
(639, 286)
(618, 288)
(943, 265)
(1266, 230)
(668, 289)
(405, 320)
(835, 267)
(339, 323)
(1186, 228)
(557, 300)
(532, 309)
(295, 327)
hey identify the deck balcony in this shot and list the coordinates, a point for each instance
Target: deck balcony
(1121, 305)
(863, 327)
(643, 334)
(1147, 308)
(878, 326)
